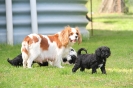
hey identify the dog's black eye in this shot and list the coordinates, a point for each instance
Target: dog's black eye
(71, 33)
(77, 33)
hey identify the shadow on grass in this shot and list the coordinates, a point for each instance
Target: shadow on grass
(110, 22)
(131, 13)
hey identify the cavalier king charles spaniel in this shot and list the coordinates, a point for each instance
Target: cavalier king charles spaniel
(52, 48)
(92, 61)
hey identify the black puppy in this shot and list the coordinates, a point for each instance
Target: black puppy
(94, 61)
(18, 61)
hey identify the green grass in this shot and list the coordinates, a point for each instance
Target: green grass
(112, 22)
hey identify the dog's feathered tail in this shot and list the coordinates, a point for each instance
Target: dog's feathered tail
(81, 49)
(24, 50)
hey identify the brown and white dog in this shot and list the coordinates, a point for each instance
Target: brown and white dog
(52, 48)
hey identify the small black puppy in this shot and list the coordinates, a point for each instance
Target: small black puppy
(94, 61)
(18, 61)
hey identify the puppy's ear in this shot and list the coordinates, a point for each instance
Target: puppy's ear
(109, 51)
(98, 52)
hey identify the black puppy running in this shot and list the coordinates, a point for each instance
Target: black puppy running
(94, 61)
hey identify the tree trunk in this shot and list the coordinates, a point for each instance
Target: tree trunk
(112, 6)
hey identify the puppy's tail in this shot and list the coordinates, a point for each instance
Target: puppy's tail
(81, 49)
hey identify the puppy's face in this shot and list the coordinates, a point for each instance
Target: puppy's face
(103, 52)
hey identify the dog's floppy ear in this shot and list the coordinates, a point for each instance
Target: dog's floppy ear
(98, 52)
(64, 35)
(109, 51)
(79, 36)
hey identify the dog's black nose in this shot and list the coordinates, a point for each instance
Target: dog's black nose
(76, 36)
(106, 55)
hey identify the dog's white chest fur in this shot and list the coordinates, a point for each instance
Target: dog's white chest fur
(100, 65)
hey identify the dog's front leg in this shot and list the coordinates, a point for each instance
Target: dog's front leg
(76, 67)
(103, 70)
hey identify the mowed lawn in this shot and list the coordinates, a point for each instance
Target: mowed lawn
(119, 65)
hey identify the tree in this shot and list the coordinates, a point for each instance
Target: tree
(113, 6)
